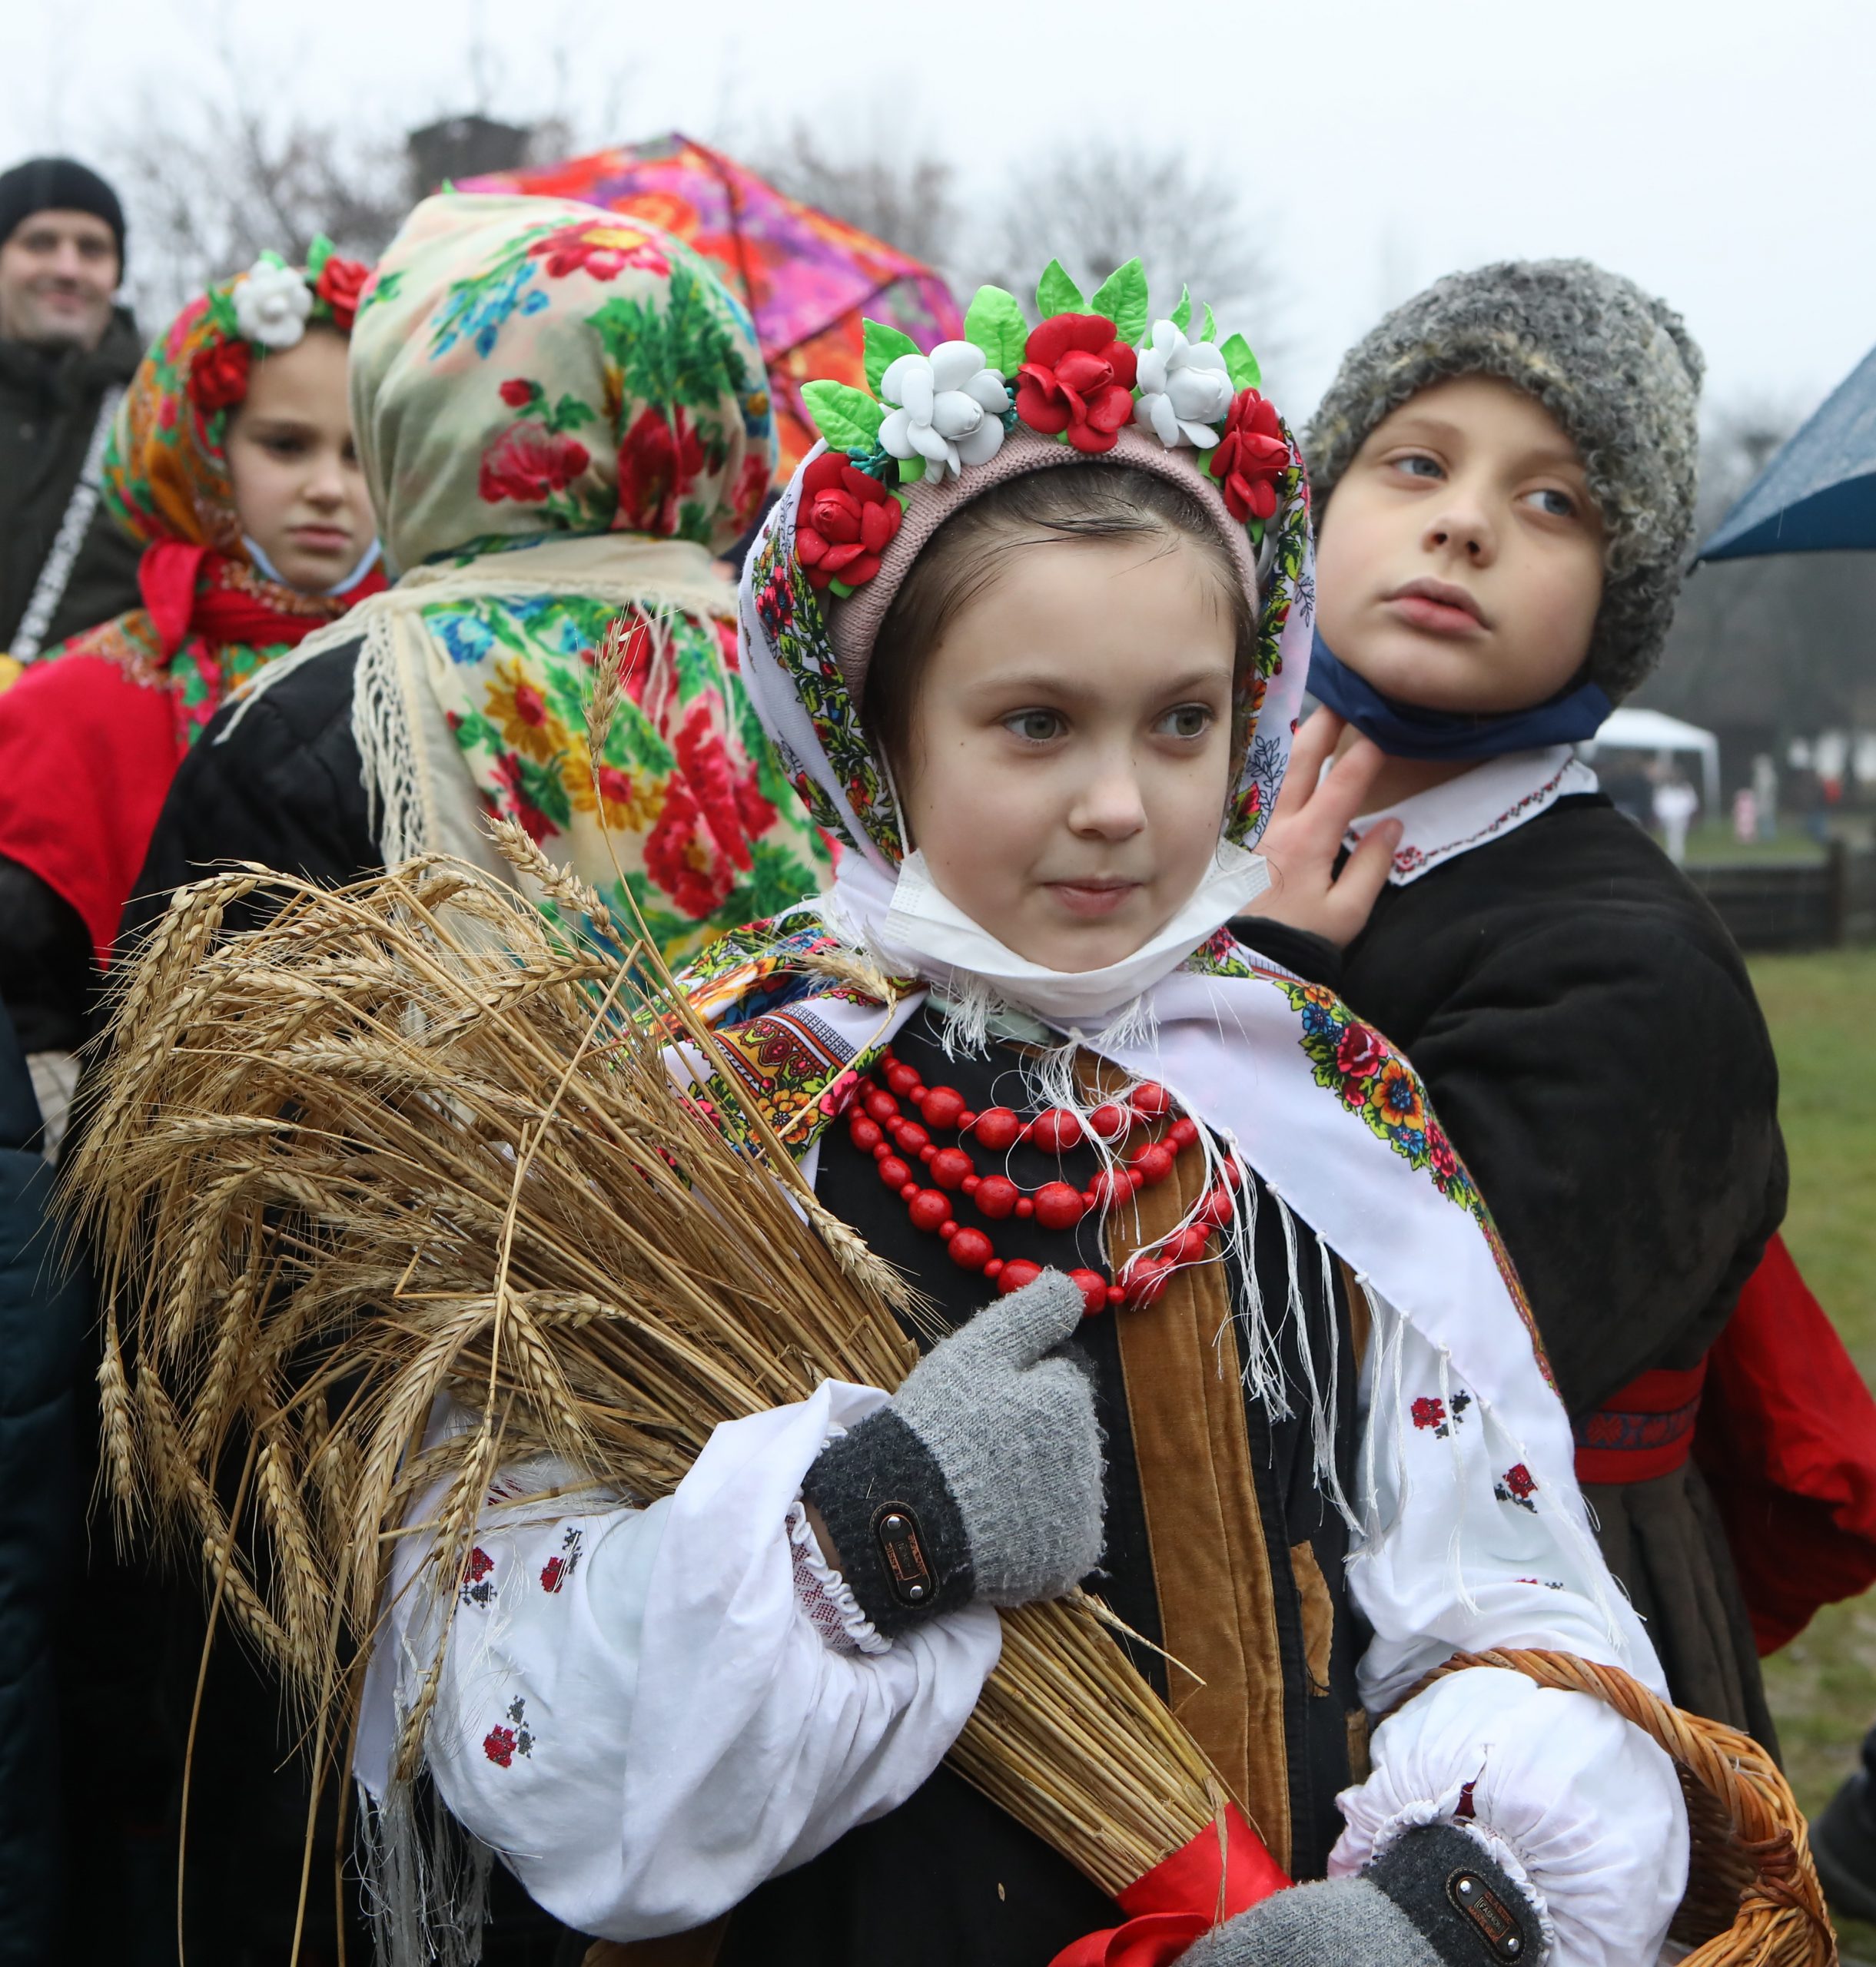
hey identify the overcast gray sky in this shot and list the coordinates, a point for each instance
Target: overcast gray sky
(1722, 154)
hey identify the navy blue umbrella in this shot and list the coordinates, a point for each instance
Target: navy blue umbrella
(1818, 495)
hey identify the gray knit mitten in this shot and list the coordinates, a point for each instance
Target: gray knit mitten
(981, 1478)
(1434, 1899)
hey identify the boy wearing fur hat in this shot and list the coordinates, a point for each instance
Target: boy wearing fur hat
(1505, 472)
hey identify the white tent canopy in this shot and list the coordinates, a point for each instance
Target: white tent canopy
(1632, 730)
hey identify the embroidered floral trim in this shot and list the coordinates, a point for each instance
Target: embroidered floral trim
(502, 1744)
(1517, 1485)
(826, 1596)
(1431, 1412)
(558, 1569)
(1375, 1082)
(1411, 860)
(477, 1586)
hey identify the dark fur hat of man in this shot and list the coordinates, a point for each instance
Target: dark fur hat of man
(1614, 366)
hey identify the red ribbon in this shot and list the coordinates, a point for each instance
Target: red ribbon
(1179, 1900)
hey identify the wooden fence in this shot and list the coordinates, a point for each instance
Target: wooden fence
(1795, 904)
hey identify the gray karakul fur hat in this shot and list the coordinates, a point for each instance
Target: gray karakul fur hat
(1617, 370)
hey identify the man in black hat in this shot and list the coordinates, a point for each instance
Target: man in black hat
(66, 351)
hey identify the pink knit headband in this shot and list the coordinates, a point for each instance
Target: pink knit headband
(854, 623)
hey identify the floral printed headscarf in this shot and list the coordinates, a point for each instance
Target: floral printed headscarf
(210, 617)
(562, 415)
(92, 733)
(529, 366)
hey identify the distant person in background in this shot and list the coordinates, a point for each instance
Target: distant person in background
(1745, 816)
(1765, 795)
(1676, 802)
(67, 351)
(230, 463)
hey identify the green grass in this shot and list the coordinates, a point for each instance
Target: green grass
(1714, 840)
(1822, 1686)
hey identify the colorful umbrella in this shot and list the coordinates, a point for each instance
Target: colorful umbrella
(808, 280)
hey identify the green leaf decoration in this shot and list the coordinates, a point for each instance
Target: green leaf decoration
(996, 325)
(1182, 315)
(884, 347)
(899, 491)
(1056, 293)
(847, 418)
(837, 586)
(1240, 365)
(1122, 297)
(316, 255)
(910, 469)
(1210, 327)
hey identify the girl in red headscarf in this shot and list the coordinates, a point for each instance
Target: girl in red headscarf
(232, 460)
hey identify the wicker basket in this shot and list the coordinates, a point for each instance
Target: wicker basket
(1753, 1899)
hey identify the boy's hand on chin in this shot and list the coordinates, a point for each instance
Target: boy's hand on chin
(1307, 824)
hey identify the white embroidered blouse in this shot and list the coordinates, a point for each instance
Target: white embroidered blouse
(648, 1712)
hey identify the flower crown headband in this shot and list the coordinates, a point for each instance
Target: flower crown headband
(1077, 377)
(270, 307)
(855, 517)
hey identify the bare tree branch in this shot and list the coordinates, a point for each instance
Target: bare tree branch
(1095, 208)
(906, 198)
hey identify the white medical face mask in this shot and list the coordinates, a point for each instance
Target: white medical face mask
(912, 927)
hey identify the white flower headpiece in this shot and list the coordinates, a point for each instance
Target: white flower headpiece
(273, 303)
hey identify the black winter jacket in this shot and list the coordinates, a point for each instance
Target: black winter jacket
(48, 405)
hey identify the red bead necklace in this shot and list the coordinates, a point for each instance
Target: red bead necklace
(878, 1125)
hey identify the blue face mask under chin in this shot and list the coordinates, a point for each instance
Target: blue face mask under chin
(1406, 731)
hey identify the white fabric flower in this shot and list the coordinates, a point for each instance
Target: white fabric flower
(271, 304)
(1184, 389)
(949, 408)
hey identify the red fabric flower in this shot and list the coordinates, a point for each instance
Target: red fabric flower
(1250, 457)
(528, 463)
(518, 393)
(847, 521)
(499, 1746)
(218, 375)
(1519, 1481)
(1361, 1051)
(1076, 377)
(341, 284)
(1429, 1413)
(658, 461)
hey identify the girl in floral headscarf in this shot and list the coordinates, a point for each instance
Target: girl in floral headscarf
(231, 462)
(1030, 631)
(562, 416)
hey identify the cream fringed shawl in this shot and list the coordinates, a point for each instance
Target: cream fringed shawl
(471, 686)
